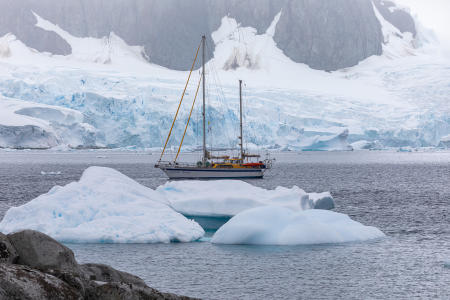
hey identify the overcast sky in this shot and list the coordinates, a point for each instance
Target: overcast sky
(434, 14)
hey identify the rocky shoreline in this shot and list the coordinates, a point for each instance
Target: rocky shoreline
(35, 266)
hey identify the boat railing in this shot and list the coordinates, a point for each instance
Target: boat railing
(173, 164)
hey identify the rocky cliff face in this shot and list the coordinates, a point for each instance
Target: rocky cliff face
(397, 17)
(329, 35)
(323, 34)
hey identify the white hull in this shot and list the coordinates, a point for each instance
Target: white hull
(178, 173)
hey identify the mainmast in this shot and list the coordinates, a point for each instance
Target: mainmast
(204, 105)
(240, 120)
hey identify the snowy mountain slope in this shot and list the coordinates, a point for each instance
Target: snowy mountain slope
(325, 35)
(102, 50)
(397, 99)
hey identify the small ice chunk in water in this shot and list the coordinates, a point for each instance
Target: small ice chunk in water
(322, 200)
(275, 225)
(51, 173)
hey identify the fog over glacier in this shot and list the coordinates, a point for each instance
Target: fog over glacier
(371, 76)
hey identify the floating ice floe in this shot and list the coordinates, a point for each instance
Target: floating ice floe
(226, 198)
(275, 225)
(51, 173)
(104, 206)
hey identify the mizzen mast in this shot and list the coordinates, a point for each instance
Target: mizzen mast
(240, 121)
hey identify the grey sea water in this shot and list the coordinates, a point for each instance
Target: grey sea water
(406, 195)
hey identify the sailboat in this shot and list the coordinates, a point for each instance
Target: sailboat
(245, 165)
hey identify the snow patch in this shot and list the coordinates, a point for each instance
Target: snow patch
(275, 225)
(241, 47)
(106, 50)
(5, 51)
(396, 44)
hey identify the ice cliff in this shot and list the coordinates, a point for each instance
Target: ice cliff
(32, 125)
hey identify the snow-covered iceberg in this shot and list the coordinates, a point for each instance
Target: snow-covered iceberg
(226, 198)
(275, 225)
(104, 206)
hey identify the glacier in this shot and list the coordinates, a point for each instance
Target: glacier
(275, 225)
(398, 99)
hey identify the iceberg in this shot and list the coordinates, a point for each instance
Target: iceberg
(275, 225)
(226, 198)
(104, 206)
(322, 200)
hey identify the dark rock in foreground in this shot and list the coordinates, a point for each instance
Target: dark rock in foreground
(35, 266)
(39, 251)
(8, 253)
(23, 282)
(105, 273)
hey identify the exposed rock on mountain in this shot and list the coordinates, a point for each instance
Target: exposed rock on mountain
(396, 16)
(329, 35)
